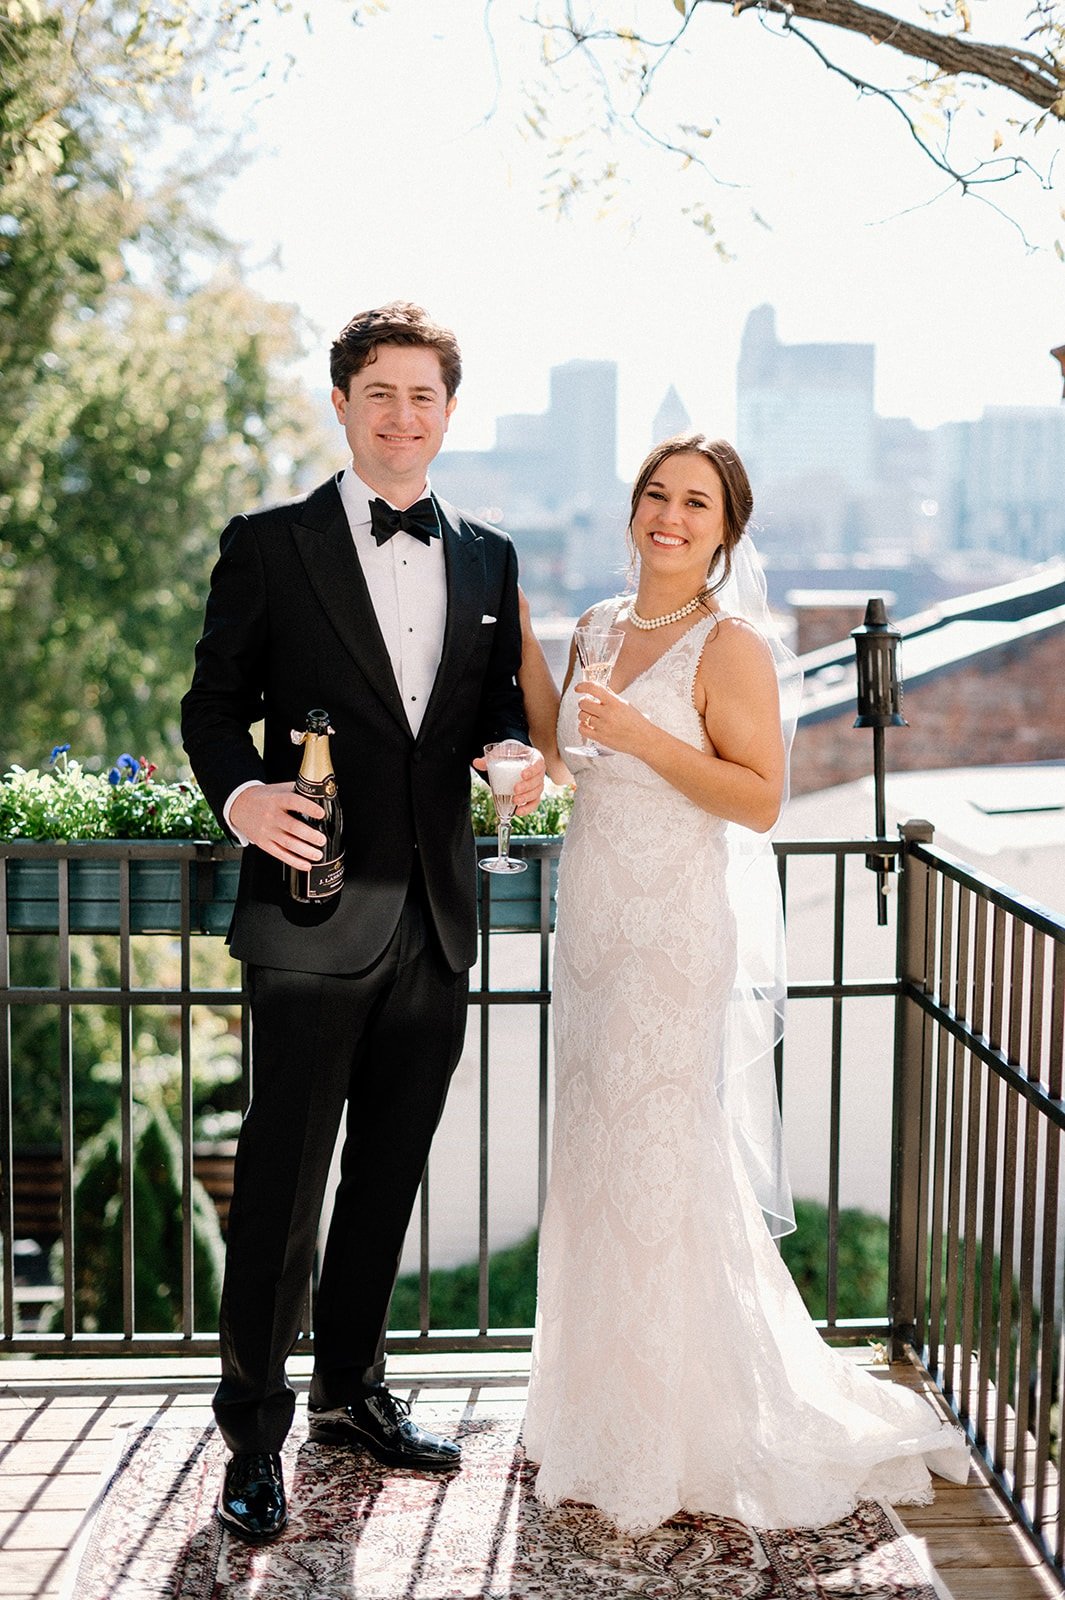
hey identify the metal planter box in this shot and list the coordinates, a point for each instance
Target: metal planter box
(99, 875)
(150, 873)
(515, 904)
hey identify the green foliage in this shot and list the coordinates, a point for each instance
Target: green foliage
(863, 1258)
(153, 421)
(862, 1285)
(66, 210)
(64, 802)
(146, 394)
(216, 1087)
(550, 816)
(37, 1044)
(96, 1043)
(453, 1292)
(157, 1216)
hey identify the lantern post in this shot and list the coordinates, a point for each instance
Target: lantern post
(876, 647)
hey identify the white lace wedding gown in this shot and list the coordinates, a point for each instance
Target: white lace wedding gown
(674, 1365)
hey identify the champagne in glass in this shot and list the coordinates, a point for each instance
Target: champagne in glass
(507, 761)
(597, 651)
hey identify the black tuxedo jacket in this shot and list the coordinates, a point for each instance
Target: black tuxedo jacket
(289, 626)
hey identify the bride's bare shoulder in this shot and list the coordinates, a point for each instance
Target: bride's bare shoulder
(737, 650)
(607, 607)
(739, 640)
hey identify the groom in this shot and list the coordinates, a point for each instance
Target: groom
(378, 602)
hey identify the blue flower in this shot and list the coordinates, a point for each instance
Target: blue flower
(125, 768)
(57, 751)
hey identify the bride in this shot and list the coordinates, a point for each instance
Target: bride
(674, 1364)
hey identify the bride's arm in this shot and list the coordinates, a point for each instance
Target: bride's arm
(541, 696)
(741, 776)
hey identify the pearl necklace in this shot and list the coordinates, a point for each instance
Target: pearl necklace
(647, 623)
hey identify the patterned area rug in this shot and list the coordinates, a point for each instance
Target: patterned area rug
(359, 1533)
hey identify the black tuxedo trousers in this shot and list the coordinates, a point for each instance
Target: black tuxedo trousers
(384, 1043)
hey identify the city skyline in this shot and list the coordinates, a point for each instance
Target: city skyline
(425, 187)
(672, 402)
(836, 486)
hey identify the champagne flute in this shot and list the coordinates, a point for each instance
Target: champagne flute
(597, 650)
(507, 761)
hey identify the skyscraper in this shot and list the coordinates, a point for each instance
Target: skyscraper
(806, 429)
(670, 418)
(582, 433)
(804, 410)
(1000, 481)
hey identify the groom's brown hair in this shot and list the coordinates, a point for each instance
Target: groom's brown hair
(399, 322)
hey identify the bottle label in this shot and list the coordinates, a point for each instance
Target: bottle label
(318, 789)
(325, 878)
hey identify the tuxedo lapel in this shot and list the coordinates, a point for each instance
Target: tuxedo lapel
(327, 550)
(464, 558)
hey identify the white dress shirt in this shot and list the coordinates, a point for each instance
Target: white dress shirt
(407, 581)
(408, 588)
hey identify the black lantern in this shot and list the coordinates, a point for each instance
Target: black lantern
(876, 645)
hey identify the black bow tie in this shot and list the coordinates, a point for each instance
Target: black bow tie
(420, 519)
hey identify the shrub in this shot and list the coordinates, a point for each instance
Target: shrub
(128, 802)
(157, 1210)
(863, 1265)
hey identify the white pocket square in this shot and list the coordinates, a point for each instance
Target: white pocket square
(487, 618)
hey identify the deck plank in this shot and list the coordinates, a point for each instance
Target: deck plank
(58, 1421)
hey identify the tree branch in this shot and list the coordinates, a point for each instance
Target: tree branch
(986, 172)
(1039, 79)
(1037, 76)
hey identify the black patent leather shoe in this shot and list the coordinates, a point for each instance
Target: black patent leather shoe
(252, 1502)
(380, 1423)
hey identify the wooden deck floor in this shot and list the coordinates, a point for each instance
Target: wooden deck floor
(58, 1418)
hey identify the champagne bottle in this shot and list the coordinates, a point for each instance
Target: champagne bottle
(319, 880)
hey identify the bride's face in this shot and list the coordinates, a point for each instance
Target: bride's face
(679, 520)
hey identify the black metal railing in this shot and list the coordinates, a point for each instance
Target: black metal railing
(977, 1204)
(966, 996)
(968, 992)
(77, 955)
(106, 944)
(837, 989)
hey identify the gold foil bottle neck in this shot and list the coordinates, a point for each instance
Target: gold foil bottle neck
(317, 764)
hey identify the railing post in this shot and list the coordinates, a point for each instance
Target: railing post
(908, 1166)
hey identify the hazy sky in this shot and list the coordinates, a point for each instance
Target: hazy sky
(391, 161)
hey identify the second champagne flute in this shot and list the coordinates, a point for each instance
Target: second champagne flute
(597, 650)
(507, 761)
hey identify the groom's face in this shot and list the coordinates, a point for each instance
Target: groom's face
(394, 416)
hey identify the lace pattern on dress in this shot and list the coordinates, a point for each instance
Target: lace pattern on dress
(674, 1364)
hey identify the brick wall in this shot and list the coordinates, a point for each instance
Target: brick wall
(1005, 705)
(820, 625)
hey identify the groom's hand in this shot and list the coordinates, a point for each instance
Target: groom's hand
(271, 816)
(529, 787)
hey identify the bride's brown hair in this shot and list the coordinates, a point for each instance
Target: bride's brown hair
(739, 500)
